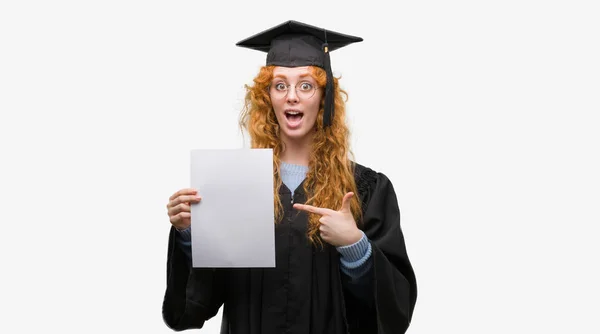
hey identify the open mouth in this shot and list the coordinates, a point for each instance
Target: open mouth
(294, 116)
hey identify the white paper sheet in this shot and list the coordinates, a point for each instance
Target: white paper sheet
(232, 226)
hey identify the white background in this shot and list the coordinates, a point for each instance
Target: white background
(483, 114)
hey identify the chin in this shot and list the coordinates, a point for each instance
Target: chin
(295, 134)
(300, 134)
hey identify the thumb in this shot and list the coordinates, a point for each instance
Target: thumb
(346, 202)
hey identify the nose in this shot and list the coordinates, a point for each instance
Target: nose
(292, 96)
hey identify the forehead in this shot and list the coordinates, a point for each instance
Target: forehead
(291, 72)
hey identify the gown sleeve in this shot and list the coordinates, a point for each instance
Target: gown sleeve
(394, 286)
(193, 295)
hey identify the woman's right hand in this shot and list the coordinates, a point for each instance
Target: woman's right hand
(178, 207)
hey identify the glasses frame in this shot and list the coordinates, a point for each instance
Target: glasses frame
(287, 90)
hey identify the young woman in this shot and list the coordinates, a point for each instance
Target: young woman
(341, 262)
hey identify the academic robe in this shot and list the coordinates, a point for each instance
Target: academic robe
(306, 293)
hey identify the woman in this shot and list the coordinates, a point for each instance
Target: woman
(341, 262)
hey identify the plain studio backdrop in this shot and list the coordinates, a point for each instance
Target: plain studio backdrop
(483, 114)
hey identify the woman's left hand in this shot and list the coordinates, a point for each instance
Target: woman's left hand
(338, 228)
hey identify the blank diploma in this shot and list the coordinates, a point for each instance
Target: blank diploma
(233, 225)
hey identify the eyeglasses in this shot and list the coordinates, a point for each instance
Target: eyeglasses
(305, 90)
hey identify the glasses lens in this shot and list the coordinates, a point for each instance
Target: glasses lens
(305, 93)
(280, 91)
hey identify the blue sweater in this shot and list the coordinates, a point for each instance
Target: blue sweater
(355, 259)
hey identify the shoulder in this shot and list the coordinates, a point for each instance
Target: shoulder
(369, 181)
(365, 178)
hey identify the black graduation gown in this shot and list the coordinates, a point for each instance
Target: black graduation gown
(306, 293)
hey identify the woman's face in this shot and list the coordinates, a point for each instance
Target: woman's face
(296, 109)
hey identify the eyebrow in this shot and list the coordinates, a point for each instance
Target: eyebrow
(301, 76)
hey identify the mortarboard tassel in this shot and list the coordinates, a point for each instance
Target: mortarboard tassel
(329, 101)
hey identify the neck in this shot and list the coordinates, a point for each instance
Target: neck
(296, 152)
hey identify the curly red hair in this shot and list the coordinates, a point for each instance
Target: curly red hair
(331, 173)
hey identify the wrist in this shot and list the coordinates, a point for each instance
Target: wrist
(358, 234)
(354, 238)
(182, 228)
(355, 251)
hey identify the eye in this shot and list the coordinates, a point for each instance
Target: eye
(306, 86)
(280, 86)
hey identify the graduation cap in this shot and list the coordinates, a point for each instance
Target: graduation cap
(294, 44)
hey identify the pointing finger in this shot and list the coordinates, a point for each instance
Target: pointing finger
(313, 209)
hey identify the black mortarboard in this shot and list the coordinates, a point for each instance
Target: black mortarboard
(293, 44)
